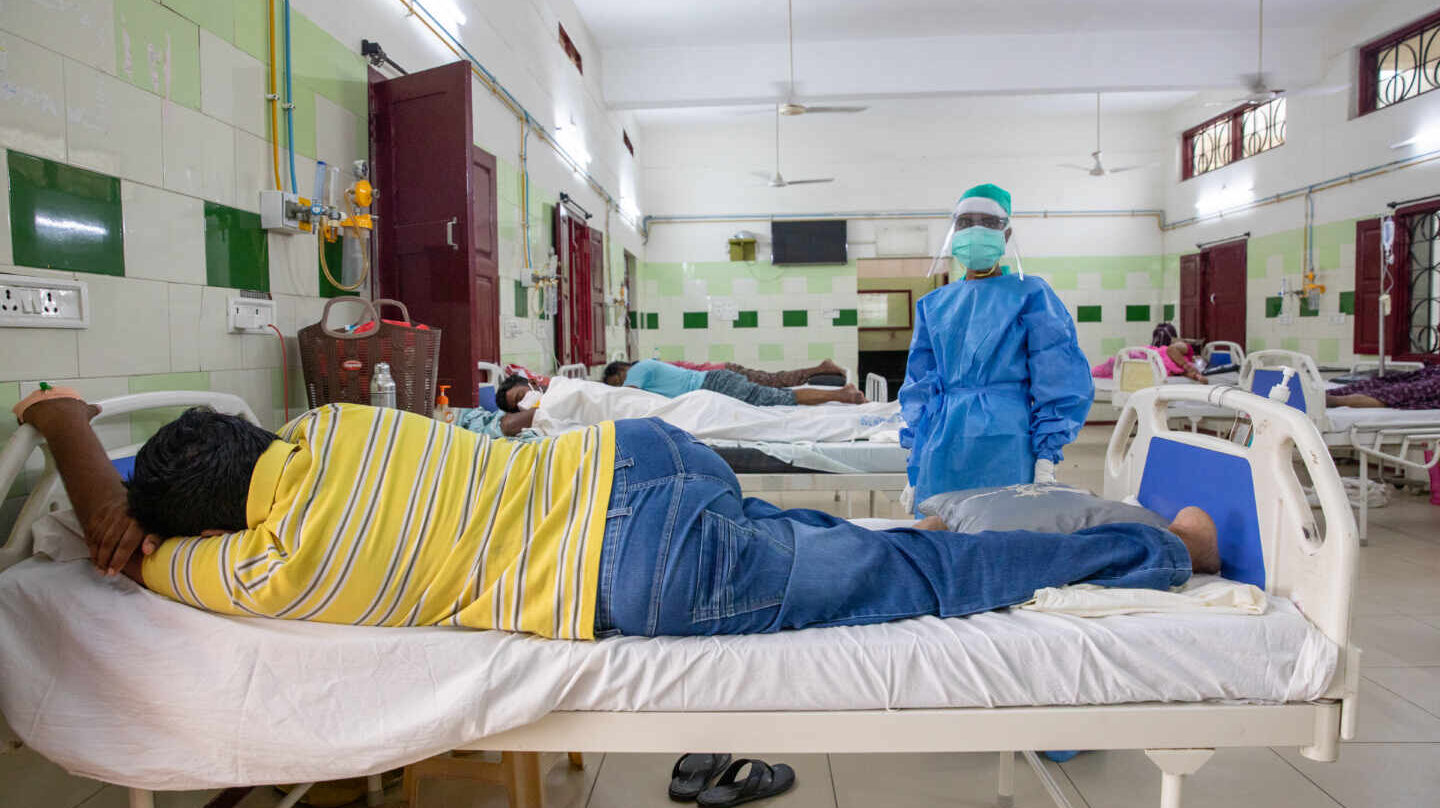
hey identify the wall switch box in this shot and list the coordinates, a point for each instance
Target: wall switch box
(250, 316)
(280, 210)
(30, 302)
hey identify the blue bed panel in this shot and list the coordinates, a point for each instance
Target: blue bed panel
(124, 465)
(486, 397)
(1218, 358)
(1264, 379)
(1178, 474)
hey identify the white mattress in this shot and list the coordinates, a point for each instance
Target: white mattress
(114, 682)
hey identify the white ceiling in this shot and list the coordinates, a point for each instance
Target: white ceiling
(1153, 54)
(624, 24)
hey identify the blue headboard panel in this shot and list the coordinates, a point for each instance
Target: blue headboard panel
(124, 465)
(486, 397)
(1221, 358)
(1264, 379)
(1178, 474)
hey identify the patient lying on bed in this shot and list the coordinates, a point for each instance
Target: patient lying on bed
(1416, 390)
(369, 516)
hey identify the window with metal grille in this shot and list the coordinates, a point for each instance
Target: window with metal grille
(1423, 298)
(571, 51)
(1244, 131)
(1400, 65)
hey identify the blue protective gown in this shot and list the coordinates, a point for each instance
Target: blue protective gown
(995, 379)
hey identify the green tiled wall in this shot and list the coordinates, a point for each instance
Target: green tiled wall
(747, 319)
(522, 306)
(820, 350)
(721, 353)
(1307, 309)
(334, 259)
(146, 33)
(1137, 314)
(1347, 302)
(847, 317)
(1169, 312)
(63, 217)
(237, 252)
(795, 318)
(771, 352)
(1110, 346)
(215, 16)
(652, 320)
(1273, 306)
(145, 424)
(1087, 314)
(696, 319)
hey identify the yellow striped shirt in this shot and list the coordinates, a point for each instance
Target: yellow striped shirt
(381, 517)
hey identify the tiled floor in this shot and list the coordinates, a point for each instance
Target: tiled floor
(1395, 760)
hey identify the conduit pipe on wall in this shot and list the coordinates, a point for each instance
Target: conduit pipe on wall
(274, 97)
(290, 101)
(942, 215)
(511, 103)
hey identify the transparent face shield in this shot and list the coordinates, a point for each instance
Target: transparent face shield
(959, 221)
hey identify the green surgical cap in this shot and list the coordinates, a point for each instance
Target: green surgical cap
(995, 193)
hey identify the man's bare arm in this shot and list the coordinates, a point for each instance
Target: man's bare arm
(93, 485)
(512, 423)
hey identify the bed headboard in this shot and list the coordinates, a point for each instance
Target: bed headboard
(47, 490)
(1224, 352)
(1268, 533)
(1136, 368)
(1264, 369)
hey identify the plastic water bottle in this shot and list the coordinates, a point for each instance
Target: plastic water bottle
(382, 386)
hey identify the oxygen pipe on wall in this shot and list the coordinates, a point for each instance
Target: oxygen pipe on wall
(290, 100)
(273, 98)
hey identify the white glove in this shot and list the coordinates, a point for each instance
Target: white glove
(907, 498)
(1044, 471)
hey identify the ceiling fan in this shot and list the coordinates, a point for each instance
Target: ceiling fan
(789, 106)
(777, 180)
(1097, 168)
(1258, 89)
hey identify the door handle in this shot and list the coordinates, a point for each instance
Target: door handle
(450, 233)
(1212, 298)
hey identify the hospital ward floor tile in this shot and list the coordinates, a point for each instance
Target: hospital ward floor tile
(950, 780)
(1234, 777)
(1382, 775)
(1396, 640)
(1387, 717)
(1420, 686)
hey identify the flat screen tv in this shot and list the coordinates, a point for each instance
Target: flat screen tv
(813, 242)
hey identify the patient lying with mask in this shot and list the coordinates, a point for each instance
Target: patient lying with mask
(367, 516)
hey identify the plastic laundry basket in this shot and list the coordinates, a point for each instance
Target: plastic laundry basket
(338, 361)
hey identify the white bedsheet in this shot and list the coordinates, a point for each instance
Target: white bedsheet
(1342, 418)
(114, 682)
(850, 457)
(572, 403)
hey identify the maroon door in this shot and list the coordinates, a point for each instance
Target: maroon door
(1367, 288)
(596, 298)
(574, 331)
(437, 214)
(1224, 291)
(1192, 287)
(484, 262)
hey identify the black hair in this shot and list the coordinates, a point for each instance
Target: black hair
(1163, 335)
(503, 401)
(194, 474)
(613, 369)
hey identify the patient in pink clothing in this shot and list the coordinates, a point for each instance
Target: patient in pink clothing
(1177, 355)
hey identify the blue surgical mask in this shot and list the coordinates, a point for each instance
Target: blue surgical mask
(977, 248)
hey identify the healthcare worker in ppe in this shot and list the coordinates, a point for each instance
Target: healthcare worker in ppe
(996, 384)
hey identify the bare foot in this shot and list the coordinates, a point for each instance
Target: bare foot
(1196, 529)
(829, 366)
(851, 394)
(930, 523)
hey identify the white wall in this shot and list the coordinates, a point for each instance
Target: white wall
(1324, 140)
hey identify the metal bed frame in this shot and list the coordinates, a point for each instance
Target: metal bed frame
(1314, 568)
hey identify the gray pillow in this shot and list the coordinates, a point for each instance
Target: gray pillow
(1044, 507)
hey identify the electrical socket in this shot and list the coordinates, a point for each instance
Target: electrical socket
(247, 315)
(280, 210)
(31, 302)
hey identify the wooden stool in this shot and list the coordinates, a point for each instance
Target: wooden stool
(519, 773)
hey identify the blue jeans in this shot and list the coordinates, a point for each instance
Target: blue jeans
(685, 554)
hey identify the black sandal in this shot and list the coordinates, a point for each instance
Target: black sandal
(692, 772)
(762, 781)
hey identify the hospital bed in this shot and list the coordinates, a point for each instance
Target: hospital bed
(1137, 367)
(113, 682)
(1404, 440)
